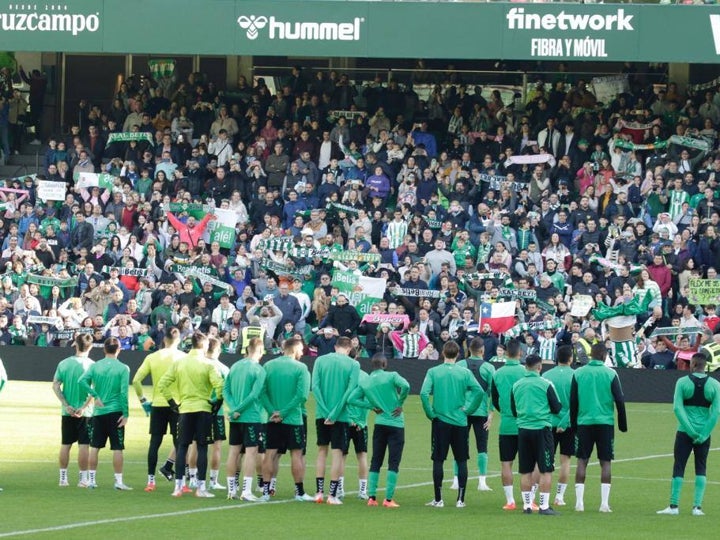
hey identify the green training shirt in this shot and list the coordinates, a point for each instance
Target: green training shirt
(384, 390)
(451, 387)
(244, 385)
(561, 377)
(109, 380)
(334, 378)
(697, 420)
(195, 379)
(68, 373)
(155, 365)
(287, 386)
(484, 375)
(357, 415)
(533, 401)
(502, 385)
(595, 387)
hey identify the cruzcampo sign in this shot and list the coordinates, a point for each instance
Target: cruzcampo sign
(457, 30)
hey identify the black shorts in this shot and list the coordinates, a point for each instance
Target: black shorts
(245, 434)
(564, 440)
(481, 434)
(446, 436)
(75, 430)
(195, 426)
(284, 437)
(601, 436)
(104, 427)
(218, 428)
(335, 435)
(162, 418)
(358, 436)
(508, 447)
(535, 447)
(684, 445)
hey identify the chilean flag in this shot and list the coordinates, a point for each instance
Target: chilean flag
(500, 316)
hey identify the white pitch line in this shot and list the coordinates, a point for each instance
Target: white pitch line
(125, 519)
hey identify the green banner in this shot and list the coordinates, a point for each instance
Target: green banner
(352, 255)
(361, 291)
(51, 281)
(285, 270)
(367, 29)
(198, 211)
(676, 331)
(128, 136)
(704, 291)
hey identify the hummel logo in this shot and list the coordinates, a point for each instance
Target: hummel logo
(252, 24)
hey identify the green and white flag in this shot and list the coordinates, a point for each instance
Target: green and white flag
(362, 292)
(127, 136)
(198, 211)
(161, 67)
(222, 229)
(85, 180)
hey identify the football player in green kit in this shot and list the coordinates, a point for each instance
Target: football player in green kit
(696, 405)
(384, 392)
(454, 391)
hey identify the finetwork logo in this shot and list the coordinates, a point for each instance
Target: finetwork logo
(324, 31)
(715, 26)
(55, 18)
(519, 20)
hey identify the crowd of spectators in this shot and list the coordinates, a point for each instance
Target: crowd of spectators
(460, 195)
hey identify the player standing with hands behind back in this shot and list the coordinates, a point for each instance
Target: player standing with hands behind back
(533, 402)
(108, 381)
(595, 388)
(75, 411)
(696, 405)
(449, 384)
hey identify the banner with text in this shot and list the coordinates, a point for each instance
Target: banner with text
(362, 292)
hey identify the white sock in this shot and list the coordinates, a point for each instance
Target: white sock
(213, 476)
(363, 485)
(201, 485)
(63, 475)
(273, 483)
(455, 480)
(341, 484)
(179, 484)
(193, 473)
(527, 499)
(482, 480)
(561, 492)
(231, 485)
(83, 476)
(544, 501)
(579, 494)
(247, 484)
(509, 498)
(118, 478)
(605, 494)
(533, 491)
(91, 476)
(151, 478)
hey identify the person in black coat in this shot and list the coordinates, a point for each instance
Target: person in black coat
(343, 317)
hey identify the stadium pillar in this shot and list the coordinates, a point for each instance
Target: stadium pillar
(680, 75)
(236, 66)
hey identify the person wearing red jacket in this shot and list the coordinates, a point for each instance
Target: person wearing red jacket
(191, 231)
(660, 274)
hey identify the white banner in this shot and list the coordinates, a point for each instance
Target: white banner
(581, 305)
(47, 190)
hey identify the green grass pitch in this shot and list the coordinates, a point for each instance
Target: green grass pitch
(34, 506)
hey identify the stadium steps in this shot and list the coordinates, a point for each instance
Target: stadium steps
(28, 162)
